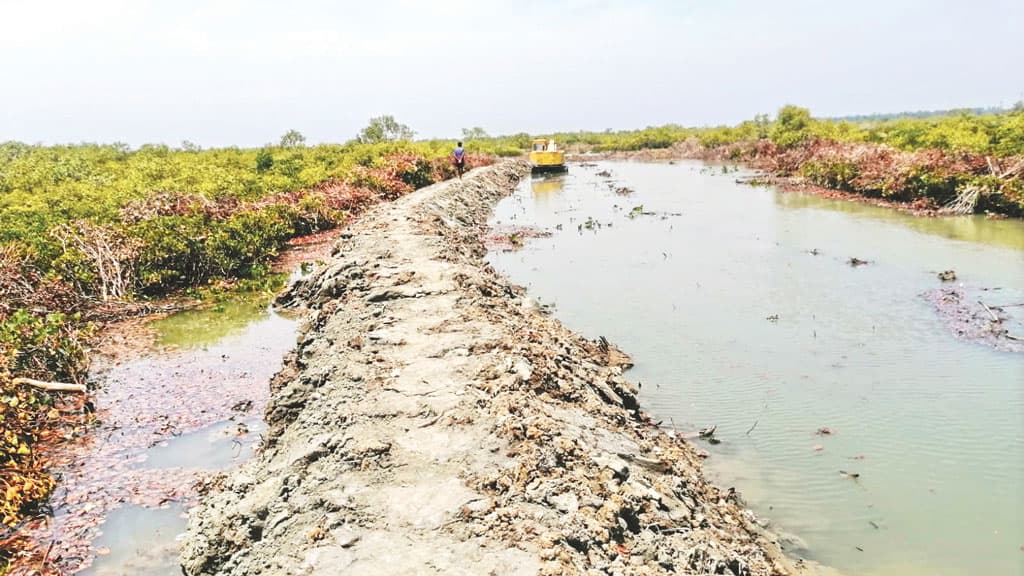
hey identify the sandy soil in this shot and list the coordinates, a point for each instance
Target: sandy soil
(433, 420)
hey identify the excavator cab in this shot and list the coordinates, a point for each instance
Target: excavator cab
(545, 157)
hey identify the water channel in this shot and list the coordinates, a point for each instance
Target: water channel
(741, 310)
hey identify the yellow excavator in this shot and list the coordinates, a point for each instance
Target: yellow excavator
(546, 158)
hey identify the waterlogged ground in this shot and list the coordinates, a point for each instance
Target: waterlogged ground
(741, 311)
(169, 417)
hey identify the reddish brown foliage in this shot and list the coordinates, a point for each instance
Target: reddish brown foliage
(22, 285)
(922, 177)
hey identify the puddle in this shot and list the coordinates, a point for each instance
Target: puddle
(221, 446)
(205, 327)
(229, 316)
(139, 541)
(168, 420)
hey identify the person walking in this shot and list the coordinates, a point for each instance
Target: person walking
(459, 157)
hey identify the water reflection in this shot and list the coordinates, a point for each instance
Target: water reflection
(546, 189)
(974, 228)
(206, 326)
(932, 424)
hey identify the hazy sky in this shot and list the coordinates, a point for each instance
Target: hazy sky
(243, 72)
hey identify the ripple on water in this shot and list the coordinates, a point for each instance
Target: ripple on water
(933, 425)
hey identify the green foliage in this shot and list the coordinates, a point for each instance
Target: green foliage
(651, 137)
(384, 129)
(994, 133)
(41, 345)
(264, 161)
(792, 127)
(187, 210)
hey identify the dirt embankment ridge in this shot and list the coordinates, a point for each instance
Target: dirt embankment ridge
(432, 420)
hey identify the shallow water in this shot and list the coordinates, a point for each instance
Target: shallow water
(220, 446)
(169, 419)
(208, 325)
(141, 541)
(731, 321)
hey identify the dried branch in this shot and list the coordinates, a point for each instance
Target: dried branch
(51, 386)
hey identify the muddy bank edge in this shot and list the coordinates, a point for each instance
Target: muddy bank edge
(431, 420)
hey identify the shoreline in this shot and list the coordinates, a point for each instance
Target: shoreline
(431, 416)
(691, 151)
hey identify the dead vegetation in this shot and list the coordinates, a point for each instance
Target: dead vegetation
(970, 318)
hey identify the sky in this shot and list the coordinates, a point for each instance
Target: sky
(243, 72)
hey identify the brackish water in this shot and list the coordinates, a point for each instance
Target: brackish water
(211, 358)
(733, 322)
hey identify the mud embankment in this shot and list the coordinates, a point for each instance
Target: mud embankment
(432, 420)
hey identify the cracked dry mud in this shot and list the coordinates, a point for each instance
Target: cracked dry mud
(431, 420)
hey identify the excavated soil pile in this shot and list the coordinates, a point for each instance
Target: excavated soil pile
(432, 420)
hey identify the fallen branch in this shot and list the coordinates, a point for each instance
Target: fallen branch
(990, 312)
(965, 201)
(753, 426)
(51, 386)
(1014, 171)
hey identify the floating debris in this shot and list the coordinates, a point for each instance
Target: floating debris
(639, 211)
(947, 276)
(975, 320)
(509, 238)
(854, 261)
(590, 224)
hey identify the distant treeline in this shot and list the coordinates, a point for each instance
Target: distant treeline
(930, 160)
(923, 113)
(997, 133)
